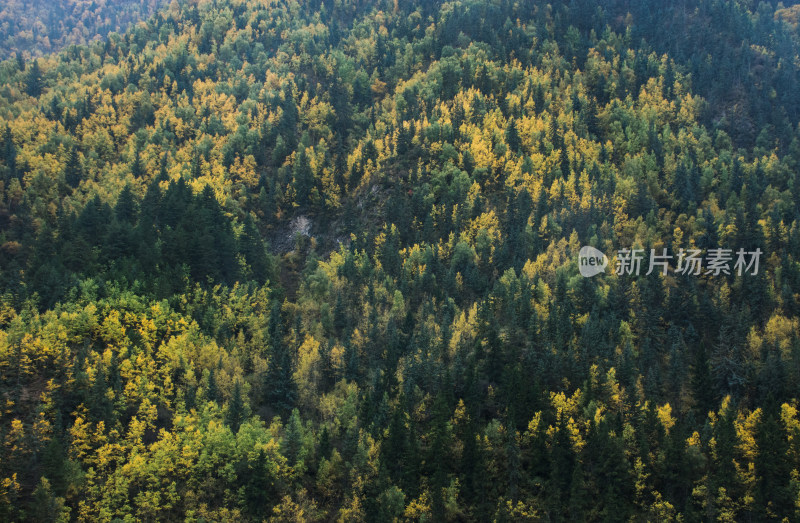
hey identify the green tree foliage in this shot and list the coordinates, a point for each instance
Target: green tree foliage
(38, 27)
(315, 262)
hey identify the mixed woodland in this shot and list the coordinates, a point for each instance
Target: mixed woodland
(38, 27)
(294, 260)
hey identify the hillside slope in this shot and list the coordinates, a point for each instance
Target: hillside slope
(279, 260)
(38, 27)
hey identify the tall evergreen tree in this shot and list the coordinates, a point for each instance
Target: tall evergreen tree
(33, 80)
(280, 386)
(73, 171)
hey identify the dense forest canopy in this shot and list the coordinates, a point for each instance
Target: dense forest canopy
(37, 27)
(294, 260)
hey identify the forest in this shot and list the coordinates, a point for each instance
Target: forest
(38, 27)
(295, 260)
